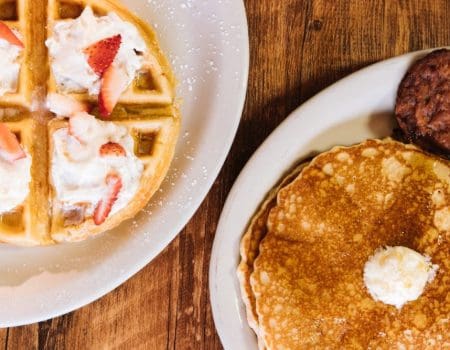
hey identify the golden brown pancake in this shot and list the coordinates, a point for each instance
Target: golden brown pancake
(249, 249)
(308, 276)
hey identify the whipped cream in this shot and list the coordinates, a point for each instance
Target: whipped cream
(9, 66)
(70, 38)
(397, 275)
(79, 172)
(15, 183)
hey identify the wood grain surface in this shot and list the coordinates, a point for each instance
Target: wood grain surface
(298, 47)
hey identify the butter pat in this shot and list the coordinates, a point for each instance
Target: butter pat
(397, 275)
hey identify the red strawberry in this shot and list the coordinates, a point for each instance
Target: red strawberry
(114, 82)
(10, 148)
(64, 106)
(7, 34)
(102, 53)
(79, 125)
(112, 149)
(103, 208)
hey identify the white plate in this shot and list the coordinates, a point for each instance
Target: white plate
(352, 110)
(207, 43)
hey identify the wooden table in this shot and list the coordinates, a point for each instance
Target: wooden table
(298, 47)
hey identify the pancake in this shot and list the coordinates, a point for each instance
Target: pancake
(350, 201)
(249, 250)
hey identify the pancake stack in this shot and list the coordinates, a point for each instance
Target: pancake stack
(256, 231)
(304, 252)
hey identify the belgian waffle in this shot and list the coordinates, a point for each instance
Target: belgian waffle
(28, 223)
(147, 108)
(154, 146)
(153, 84)
(14, 14)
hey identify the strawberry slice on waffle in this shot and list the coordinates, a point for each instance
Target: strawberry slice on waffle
(103, 208)
(102, 53)
(10, 148)
(101, 56)
(114, 82)
(112, 149)
(7, 34)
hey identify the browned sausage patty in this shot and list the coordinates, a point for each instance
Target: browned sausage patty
(423, 102)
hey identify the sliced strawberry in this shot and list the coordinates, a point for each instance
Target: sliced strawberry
(65, 106)
(112, 149)
(114, 82)
(79, 125)
(7, 34)
(103, 208)
(10, 148)
(102, 53)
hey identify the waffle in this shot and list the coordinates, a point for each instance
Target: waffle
(154, 146)
(153, 84)
(14, 14)
(28, 224)
(147, 108)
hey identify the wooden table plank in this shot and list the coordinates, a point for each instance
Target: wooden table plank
(22, 338)
(3, 336)
(298, 47)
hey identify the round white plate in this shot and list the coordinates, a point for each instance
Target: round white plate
(207, 44)
(352, 110)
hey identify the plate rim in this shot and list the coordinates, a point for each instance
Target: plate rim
(262, 148)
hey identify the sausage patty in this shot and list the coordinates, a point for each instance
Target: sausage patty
(423, 102)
